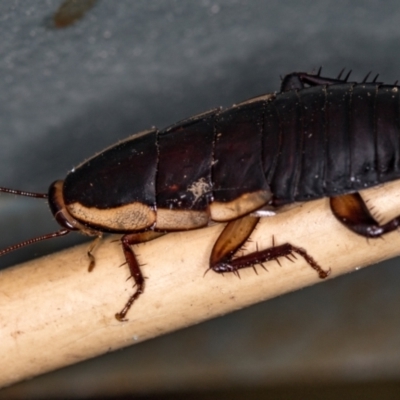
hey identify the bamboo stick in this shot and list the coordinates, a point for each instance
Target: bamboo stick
(54, 313)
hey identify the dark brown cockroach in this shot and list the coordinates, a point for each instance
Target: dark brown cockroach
(318, 137)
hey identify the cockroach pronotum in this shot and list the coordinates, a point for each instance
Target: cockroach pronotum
(318, 137)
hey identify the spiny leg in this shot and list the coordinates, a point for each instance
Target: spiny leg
(351, 211)
(134, 267)
(232, 238)
(296, 80)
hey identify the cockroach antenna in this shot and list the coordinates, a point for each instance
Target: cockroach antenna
(24, 193)
(17, 246)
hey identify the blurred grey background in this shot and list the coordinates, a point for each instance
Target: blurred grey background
(66, 93)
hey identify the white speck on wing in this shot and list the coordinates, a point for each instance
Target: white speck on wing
(199, 188)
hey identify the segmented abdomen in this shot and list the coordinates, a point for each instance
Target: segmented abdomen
(329, 140)
(302, 144)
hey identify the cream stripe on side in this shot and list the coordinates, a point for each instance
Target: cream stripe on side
(131, 217)
(245, 204)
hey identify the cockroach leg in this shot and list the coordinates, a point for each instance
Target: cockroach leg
(93, 245)
(134, 267)
(351, 211)
(232, 238)
(296, 81)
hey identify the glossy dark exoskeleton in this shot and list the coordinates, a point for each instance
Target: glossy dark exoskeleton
(318, 137)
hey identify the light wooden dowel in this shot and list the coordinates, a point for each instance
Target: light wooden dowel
(54, 313)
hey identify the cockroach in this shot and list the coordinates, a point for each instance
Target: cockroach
(317, 137)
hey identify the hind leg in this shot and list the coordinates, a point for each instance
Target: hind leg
(236, 234)
(297, 80)
(352, 212)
